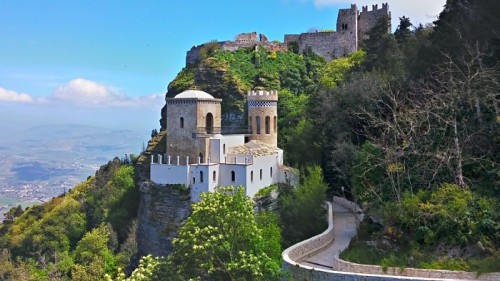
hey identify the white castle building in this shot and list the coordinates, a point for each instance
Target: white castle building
(202, 155)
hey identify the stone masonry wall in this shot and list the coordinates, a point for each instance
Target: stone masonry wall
(413, 273)
(367, 19)
(328, 45)
(243, 40)
(308, 247)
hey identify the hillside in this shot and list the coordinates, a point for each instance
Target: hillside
(408, 127)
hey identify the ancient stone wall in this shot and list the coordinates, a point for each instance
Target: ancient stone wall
(367, 19)
(243, 40)
(328, 45)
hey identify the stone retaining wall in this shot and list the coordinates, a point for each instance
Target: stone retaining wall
(345, 266)
(312, 245)
(347, 271)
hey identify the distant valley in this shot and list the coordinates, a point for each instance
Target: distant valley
(41, 162)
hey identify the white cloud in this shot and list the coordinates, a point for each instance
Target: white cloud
(419, 11)
(12, 96)
(83, 92)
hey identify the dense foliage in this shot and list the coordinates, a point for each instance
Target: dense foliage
(81, 235)
(223, 239)
(301, 209)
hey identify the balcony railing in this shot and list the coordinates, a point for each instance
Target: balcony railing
(209, 131)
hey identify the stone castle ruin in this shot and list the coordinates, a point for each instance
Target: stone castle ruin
(352, 28)
(243, 40)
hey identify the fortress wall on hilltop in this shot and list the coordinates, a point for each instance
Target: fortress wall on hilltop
(328, 45)
(367, 19)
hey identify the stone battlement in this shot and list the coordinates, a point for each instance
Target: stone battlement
(385, 7)
(352, 28)
(260, 95)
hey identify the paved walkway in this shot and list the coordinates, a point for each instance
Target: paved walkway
(344, 229)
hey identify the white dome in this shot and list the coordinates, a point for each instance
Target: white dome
(193, 94)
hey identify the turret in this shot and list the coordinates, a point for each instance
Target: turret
(263, 116)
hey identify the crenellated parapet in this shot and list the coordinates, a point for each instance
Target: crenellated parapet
(262, 95)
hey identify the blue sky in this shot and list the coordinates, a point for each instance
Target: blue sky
(109, 62)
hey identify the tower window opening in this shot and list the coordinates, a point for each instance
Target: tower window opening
(182, 122)
(251, 176)
(194, 180)
(224, 148)
(233, 176)
(201, 176)
(275, 125)
(214, 176)
(257, 120)
(209, 122)
(260, 174)
(201, 158)
(250, 122)
(268, 125)
(271, 172)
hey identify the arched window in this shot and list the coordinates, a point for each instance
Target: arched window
(275, 125)
(209, 122)
(201, 158)
(260, 174)
(201, 176)
(194, 180)
(250, 122)
(257, 121)
(251, 176)
(182, 122)
(214, 176)
(224, 148)
(233, 176)
(268, 125)
(271, 172)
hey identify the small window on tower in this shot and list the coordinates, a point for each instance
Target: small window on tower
(233, 176)
(257, 120)
(268, 125)
(182, 122)
(201, 176)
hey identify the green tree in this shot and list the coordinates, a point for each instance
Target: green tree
(221, 240)
(301, 210)
(335, 71)
(94, 246)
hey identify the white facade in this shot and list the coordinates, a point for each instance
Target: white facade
(254, 172)
(229, 162)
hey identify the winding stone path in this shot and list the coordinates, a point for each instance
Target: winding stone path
(344, 229)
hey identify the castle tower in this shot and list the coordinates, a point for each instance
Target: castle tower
(263, 116)
(192, 117)
(347, 26)
(368, 19)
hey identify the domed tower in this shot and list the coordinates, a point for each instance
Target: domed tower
(263, 116)
(192, 117)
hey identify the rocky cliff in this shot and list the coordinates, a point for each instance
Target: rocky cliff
(161, 210)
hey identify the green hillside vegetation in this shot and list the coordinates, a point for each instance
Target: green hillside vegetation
(83, 234)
